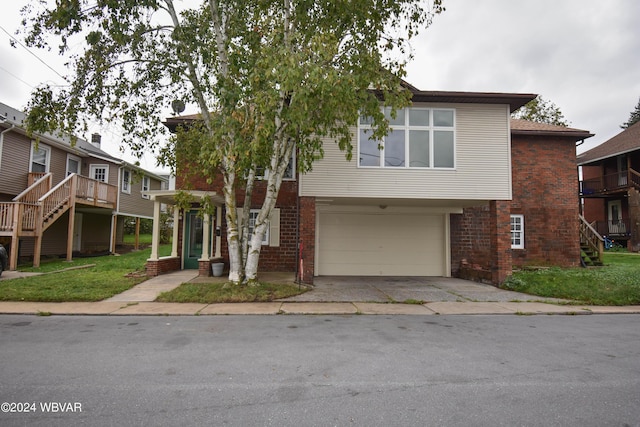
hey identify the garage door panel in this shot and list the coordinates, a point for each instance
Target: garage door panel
(381, 244)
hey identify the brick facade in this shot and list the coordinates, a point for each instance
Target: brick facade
(307, 238)
(545, 191)
(162, 266)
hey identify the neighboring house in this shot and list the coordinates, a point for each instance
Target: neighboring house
(57, 199)
(459, 189)
(610, 187)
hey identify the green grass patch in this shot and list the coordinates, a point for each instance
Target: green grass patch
(108, 276)
(130, 239)
(616, 283)
(209, 293)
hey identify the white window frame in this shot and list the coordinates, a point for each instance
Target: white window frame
(94, 167)
(253, 214)
(291, 167)
(517, 220)
(47, 156)
(76, 159)
(146, 186)
(125, 182)
(406, 128)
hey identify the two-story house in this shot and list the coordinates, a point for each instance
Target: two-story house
(457, 189)
(57, 198)
(610, 187)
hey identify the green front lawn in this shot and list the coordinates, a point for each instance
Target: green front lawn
(617, 283)
(104, 277)
(209, 293)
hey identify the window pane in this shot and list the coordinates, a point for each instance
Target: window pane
(419, 148)
(443, 149)
(366, 120)
(253, 216)
(399, 120)
(443, 118)
(394, 149)
(418, 117)
(40, 156)
(369, 152)
(35, 167)
(73, 166)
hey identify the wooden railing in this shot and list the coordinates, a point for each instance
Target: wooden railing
(634, 178)
(56, 199)
(34, 176)
(36, 189)
(33, 209)
(590, 237)
(6, 217)
(92, 192)
(610, 182)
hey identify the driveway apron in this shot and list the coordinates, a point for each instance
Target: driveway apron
(405, 289)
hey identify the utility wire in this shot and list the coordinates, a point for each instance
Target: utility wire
(33, 54)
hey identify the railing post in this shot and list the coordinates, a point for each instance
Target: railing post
(72, 216)
(15, 237)
(37, 250)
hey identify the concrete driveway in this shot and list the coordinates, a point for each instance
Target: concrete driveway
(401, 289)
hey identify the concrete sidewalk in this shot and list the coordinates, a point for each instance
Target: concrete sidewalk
(139, 300)
(318, 308)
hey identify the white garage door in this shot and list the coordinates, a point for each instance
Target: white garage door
(381, 244)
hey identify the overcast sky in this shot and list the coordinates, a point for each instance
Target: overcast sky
(583, 55)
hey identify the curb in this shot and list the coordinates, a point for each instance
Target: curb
(116, 308)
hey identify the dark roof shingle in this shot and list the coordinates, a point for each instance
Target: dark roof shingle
(624, 142)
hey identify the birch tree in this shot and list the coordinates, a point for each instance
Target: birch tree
(267, 78)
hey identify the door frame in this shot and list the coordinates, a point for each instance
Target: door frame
(189, 262)
(77, 231)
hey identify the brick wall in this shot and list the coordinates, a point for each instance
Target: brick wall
(162, 266)
(545, 191)
(470, 244)
(307, 237)
(279, 258)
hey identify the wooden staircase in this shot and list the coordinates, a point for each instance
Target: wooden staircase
(591, 244)
(39, 206)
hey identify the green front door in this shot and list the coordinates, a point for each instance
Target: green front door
(192, 240)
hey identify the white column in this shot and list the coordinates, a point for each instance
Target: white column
(206, 232)
(155, 234)
(218, 225)
(176, 225)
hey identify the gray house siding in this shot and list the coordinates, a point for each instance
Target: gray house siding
(14, 169)
(133, 204)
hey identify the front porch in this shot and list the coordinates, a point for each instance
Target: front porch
(209, 248)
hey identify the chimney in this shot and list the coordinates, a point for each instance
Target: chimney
(95, 139)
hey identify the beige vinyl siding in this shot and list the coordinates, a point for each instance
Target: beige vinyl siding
(133, 204)
(482, 172)
(58, 165)
(14, 171)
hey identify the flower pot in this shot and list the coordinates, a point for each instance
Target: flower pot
(217, 268)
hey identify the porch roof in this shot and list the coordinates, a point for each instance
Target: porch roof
(169, 196)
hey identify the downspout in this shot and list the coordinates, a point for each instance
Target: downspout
(13, 261)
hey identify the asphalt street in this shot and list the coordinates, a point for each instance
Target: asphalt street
(320, 370)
